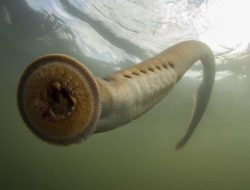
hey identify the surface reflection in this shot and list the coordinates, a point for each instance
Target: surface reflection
(118, 32)
(90, 42)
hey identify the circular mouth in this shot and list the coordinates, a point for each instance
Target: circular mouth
(61, 103)
(59, 99)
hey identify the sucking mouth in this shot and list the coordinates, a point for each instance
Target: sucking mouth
(60, 101)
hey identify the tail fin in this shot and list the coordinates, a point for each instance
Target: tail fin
(201, 97)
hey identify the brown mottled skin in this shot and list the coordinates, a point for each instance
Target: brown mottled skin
(125, 95)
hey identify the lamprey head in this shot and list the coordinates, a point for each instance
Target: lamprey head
(59, 99)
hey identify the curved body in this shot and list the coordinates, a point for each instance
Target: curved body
(112, 101)
(130, 93)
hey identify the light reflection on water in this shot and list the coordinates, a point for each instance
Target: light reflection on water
(90, 42)
(108, 30)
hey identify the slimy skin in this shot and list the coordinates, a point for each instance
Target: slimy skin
(62, 102)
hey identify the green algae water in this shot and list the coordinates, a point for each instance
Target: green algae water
(107, 36)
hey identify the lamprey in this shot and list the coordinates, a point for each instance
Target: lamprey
(62, 102)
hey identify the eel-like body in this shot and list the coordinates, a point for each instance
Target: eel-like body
(62, 102)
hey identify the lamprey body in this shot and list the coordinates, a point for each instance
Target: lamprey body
(62, 102)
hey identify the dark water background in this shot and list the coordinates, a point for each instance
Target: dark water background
(109, 35)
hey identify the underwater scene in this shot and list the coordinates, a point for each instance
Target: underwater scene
(139, 112)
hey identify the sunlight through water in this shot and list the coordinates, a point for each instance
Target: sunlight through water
(131, 31)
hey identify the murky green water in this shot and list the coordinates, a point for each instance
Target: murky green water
(106, 36)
